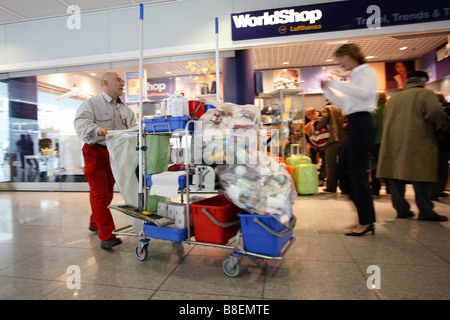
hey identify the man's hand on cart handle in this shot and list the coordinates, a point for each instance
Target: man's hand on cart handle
(103, 131)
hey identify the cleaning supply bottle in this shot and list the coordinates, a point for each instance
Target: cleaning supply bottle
(185, 105)
(176, 105)
(163, 108)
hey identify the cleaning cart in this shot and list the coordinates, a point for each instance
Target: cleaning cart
(214, 221)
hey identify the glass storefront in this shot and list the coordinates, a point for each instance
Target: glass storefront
(40, 149)
(5, 160)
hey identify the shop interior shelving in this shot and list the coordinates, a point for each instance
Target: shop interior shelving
(284, 105)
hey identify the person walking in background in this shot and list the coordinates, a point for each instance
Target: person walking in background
(443, 150)
(94, 118)
(25, 147)
(334, 118)
(316, 153)
(358, 100)
(408, 150)
(378, 123)
(22, 148)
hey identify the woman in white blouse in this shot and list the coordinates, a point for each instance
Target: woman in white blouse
(358, 100)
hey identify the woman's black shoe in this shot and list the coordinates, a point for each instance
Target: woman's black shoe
(370, 228)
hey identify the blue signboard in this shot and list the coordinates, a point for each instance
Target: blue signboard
(159, 89)
(132, 83)
(335, 16)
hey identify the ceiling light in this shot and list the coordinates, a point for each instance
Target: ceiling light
(93, 74)
(332, 43)
(370, 57)
(403, 48)
(286, 62)
(329, 60)
(168, 72)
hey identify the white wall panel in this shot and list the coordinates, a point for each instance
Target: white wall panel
(51, 39)
(171, 28)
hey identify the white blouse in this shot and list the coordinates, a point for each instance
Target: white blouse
(358, 95)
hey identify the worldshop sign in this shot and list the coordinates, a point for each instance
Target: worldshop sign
(335, 16)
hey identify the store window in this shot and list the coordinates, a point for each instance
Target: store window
(39, 143)
(32, 108)
(57, 151)
(5, 163)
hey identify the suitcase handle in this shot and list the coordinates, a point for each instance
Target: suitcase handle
(221, 224)
(281, 233)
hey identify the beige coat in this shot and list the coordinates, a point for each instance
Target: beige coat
(408, 148)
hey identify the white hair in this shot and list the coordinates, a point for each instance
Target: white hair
(105, 76)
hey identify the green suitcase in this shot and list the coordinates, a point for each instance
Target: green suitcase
(306, 179)
(297, 159)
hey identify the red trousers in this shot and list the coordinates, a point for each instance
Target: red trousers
(101, 184)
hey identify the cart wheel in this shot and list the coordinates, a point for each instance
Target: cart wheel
(231, 267)
(141, 254)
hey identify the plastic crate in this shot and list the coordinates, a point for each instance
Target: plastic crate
(167, 124)
(215, 219)
(263, 234)
(209, 107)
(164, 233)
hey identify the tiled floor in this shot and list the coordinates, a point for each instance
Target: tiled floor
(43, 233)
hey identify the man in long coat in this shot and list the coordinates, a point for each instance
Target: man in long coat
(408, 151)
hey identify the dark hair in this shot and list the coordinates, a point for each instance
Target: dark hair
(352, 50)
(382, 96)
(418, 74)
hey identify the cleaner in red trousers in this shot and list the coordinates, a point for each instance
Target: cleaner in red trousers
(94, 118)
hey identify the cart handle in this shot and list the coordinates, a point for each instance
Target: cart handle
(221, 224)
(281, 233)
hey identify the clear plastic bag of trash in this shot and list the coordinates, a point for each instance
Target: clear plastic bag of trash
(219, 127)
(262, 188)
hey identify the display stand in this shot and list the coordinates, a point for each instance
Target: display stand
(282, 113)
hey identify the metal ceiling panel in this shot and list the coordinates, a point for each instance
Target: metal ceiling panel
(34, 9)
(386, 48)
(89, 5)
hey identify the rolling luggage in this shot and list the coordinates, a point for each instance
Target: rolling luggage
(306, 179)
(297, 159)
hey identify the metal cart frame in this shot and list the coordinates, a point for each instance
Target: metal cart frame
(230, 265)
